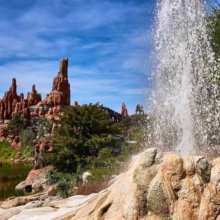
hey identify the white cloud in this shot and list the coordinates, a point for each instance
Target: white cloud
(104, 40)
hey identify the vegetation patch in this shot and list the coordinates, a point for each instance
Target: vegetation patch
(87, 139)
(7, 153)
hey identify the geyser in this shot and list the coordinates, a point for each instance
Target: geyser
(185, 98)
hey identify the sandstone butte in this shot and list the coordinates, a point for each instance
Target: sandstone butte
(156, 186)
(59, 96)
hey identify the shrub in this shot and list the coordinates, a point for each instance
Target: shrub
(43, 127)
(27, 136)
(65, 182)
(19, 192)
(52, 177)
(16, 125)
(214, 23)
(65, 188)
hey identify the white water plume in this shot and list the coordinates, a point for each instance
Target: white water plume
(185, 99)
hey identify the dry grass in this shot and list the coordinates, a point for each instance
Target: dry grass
(94, 186)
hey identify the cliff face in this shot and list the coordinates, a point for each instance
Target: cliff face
(11, 103)
(156, 186)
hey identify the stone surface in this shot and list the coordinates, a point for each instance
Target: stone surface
(19, 201)
(85, 176)
(52, 191)
(35, 181)
(156, 186)
(161, 187)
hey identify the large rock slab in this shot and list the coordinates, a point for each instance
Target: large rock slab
(156, 186)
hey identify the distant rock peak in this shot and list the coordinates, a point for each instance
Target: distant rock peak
(60, 94)
(11, 103)
(63, 71)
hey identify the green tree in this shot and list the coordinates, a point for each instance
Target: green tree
(82, 133)
(16, 125)
(27, 136)
(214, 24)
(43, 127)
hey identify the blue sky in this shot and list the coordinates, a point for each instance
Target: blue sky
(108, 43)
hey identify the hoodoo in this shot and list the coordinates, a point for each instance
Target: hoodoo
(59, 96)
(33, 97)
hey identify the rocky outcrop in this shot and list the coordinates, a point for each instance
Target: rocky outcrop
(19, 201)
(33, 98)
(8, 104)
(35, 181)
(16, 104)
(41, 207)
(60, 94)
(124, 111)
(159, 186)
(156, 186)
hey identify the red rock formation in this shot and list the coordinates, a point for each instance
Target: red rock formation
(13, 104)
(2, 111)
(124, 110)
(13, 88)
(10, 101)
(60, 94)
(33, 97)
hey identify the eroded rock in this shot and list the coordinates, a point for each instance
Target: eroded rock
(60, 93)
(156, 186)
(164, 186)
(12, 103)
(35, 181)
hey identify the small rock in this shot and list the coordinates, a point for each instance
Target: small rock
(25, 186)
(85, 176)
(203, 167)
(148, 157)
(34, 204)
(52, 191)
